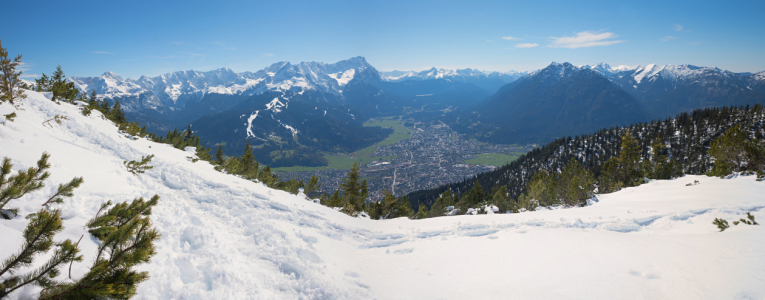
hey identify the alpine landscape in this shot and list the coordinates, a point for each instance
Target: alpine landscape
(370, 150)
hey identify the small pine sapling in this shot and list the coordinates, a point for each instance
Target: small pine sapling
(57, 118)
(138, 167)
(312, 186)
(39, 233)
(14, 187)
(422, 212)
(10, 116)
(750, 220)
(126, 239)
(721, 224)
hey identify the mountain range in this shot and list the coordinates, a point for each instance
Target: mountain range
(290, 113)
(565, 100)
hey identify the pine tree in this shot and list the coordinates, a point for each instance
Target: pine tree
(15, 187)
(62, 89)
(312, 186)
(248, 166)
(39, 233)
(139, 167)
(542, 188)
(576, 184)
(609, 180)
(501, 199)
(116, 114)
(105, 108)
(334, 200)
(722, 224)
(390, 207)
(126, 239)
(422, 212)
(93, 100)
(267, 178)
(219, 156)
(629, 160)
(439, 207)
(354, 193)
(734, 151)
(188, 134)
(43, 83)
(472, 198)
(10, 84)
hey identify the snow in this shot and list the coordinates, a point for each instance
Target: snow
(249, 123)
(224, 237)
(343, 77)
(281, 76)
(275, 105)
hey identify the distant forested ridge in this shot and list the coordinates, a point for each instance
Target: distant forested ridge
(687, 137)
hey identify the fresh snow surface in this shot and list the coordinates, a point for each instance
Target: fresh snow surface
(343, 77)
(224, 237)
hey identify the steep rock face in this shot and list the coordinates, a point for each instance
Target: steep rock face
(556, 101)
(670, 89)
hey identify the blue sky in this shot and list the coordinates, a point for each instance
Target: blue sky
(153, 37)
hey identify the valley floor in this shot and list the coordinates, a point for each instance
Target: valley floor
(227, 238)
(432, 156)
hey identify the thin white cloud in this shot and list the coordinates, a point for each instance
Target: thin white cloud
(194, 55)
(24, 67)
(101, 52)
(268, 54)
(164, 57)
(669, 38)
(585, 39)
(526, 45)
(510, 38)
(678, 27)
(223, 45)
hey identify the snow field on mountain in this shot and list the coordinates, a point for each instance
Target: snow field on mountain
(227, 238)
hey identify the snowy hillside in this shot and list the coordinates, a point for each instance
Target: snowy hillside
(226, 238)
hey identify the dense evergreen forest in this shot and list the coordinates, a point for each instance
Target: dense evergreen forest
(687, 139)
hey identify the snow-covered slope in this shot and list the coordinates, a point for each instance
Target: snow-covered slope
(227, 238)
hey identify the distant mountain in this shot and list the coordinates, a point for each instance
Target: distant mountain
(666, 90)
(289, 102)
(288, 112)
(488, 81)
(289, 128)
(556, 101)
(277, 108)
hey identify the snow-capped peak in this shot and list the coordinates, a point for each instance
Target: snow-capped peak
(441, 73)
(281, 76)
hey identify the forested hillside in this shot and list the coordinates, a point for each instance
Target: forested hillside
(687, 138)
